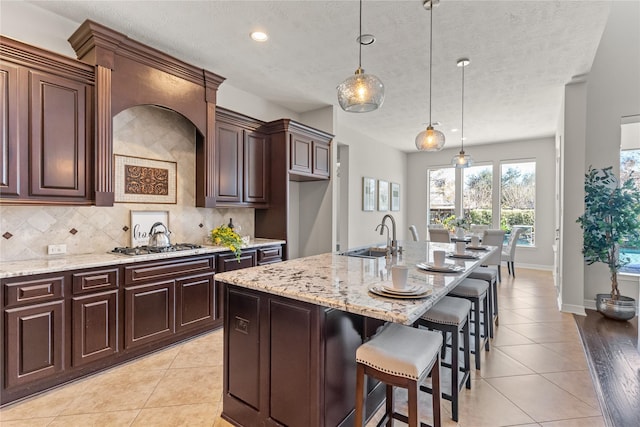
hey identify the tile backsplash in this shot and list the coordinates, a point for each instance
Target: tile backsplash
(144, 131)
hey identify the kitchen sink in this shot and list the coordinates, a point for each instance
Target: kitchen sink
(373, 252)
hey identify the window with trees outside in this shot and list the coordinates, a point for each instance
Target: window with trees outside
(630, 163)
(477, 192)
(518, 199)
(442, 194)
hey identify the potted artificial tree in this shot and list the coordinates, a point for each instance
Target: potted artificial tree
(611, 218)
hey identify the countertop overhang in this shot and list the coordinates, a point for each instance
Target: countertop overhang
(342, 282)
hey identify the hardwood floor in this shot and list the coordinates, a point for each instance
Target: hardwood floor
(614, 361)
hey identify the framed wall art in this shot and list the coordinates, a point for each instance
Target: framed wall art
(139, 180)
(368, 194)
(395, 196)
(141, 223)
(383, 195)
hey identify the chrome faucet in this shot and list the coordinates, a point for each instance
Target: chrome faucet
(382, 227)
(394, 241)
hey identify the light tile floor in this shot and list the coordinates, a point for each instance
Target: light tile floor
(535, 375)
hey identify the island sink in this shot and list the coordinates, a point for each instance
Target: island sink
(373, 252)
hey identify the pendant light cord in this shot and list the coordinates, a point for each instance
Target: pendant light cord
(430, 56)
(360, 40)
(462, 127)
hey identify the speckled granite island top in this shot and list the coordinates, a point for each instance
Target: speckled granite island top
(74, 262)
(342, 282)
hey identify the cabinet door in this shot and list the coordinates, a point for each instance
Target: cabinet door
(149, 313)
(35, 341)
(300, 154)
(94, 327)
(195, 300)
(256, 168)
(58, 136)
(321, 159)
(9, 167)
(229, 142)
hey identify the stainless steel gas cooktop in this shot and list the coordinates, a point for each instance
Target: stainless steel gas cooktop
(145, 250)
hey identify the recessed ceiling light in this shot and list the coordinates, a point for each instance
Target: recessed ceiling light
(454, 130)
(259, 36)
(366, 39)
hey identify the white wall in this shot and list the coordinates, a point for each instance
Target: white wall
(38, 27)
(613, 91)
(373, 159)
(540, 150)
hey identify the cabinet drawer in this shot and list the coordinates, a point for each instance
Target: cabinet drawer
(165, 269)
(34, 291)
(229, 262)
(91, 281)
(269, 255)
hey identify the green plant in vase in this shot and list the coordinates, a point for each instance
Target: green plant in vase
(225, 236)
(611, 218)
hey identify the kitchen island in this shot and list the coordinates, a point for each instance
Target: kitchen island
(291, 331)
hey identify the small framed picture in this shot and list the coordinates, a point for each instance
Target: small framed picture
(383, 195)
(395, 196)
(141, 223)
(368, 194)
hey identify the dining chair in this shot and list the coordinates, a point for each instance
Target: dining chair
(509, 252)
(414, 233)
(439, 235)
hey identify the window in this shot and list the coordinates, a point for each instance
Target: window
(630, 162)
(442, 192)
(476, 196)
(518, 199)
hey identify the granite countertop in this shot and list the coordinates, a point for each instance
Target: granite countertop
(73, 262)
(342, 282)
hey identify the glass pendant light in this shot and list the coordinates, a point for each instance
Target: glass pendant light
(430, 139)
(361, 92)
(462, 160)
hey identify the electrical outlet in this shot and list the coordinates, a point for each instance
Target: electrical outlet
(56, 249)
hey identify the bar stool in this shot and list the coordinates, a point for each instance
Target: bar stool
(400, 356)
(490, 276)
(451, 317)
(476, 291)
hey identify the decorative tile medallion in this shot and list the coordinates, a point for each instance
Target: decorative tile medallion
(139, 180)
(7, 235)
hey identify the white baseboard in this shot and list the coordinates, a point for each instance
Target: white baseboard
(590, 304)
(532, 267)
(574, 309)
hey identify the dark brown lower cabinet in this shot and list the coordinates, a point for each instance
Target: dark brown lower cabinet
(291, 363)
(94, 326)
(34, 343)
(60, 326)
(195, 301)
(149, 313)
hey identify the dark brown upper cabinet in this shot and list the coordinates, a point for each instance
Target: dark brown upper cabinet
(242, 161)
(47, 127)
(129, 73)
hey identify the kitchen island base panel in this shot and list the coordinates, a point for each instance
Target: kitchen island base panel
(292, 363)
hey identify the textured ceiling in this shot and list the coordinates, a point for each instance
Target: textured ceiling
(522, 54)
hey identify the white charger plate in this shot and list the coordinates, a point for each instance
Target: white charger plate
(379, 290)
(413, 290)
(462, 256)
(446, 268)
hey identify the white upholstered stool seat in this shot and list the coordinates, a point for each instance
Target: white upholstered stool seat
(476, 291)
(449, 311)
(450, 316)
(400, 356)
